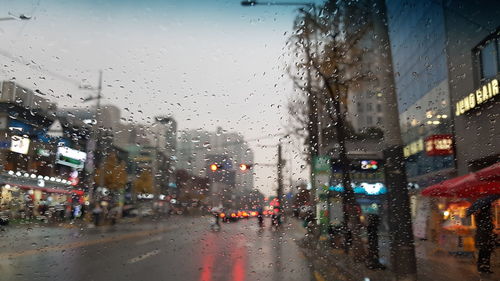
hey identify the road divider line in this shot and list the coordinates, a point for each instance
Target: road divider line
(80, 244)
(149, 240)
(318, 276)
(143, 257)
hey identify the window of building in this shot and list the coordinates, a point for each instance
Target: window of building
(369, 120)
(360, 107)
(379, 107)
(487, 56)
(369, 106)
(379, 120)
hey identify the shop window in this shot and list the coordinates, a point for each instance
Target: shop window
(487, 56)
(360, 107)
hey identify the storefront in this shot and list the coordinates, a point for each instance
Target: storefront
(29, 196)
(449, 224)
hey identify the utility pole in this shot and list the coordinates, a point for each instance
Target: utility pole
(97, 137)
(99, 125)
(280, 177)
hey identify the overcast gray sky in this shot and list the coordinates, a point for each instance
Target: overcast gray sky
(208, 63)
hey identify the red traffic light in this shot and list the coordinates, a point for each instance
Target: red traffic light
(214, 167)
(245, 167)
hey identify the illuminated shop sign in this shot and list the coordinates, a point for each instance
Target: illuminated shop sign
(363, 188)
(20, 127)
(437, 145)
(481, 95)
(70, 157)
(43, 152)
(19, 144)
(359, 166)
(413, 148)
(145, 196)
(369, 165)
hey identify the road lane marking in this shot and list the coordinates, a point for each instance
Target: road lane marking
(318, 276)
(149, 240)
(143, 257)
(80, 244)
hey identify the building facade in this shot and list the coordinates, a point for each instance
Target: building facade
(473, 29)
(196, 147)
(43, 155)
(418, 44)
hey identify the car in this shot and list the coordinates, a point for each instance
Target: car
(229, 215)
(243, 214)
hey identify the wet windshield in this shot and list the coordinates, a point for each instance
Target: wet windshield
(249, 140)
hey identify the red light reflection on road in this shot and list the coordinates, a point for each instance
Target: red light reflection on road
(239, 256)
(208, 259)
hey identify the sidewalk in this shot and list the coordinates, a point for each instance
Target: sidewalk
(78, 223)
(432, 265)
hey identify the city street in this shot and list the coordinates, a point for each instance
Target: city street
(333, 140)
(177, 248)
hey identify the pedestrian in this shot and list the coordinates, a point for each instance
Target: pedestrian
(309, 221)
(114, 214)
(217, 219)
(485, 239)
(215, 226)
(96, 213)
(372, 261)
(260, 216)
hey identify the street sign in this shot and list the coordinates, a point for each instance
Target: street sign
(321, 164)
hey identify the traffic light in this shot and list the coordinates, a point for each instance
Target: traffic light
(214, 167)
(245, 167)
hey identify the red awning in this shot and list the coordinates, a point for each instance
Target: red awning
(468, 186)
(53, 190)
(490, 173)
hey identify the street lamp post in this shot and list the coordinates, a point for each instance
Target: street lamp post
(15, 17)
(254, 3)
(96, 135)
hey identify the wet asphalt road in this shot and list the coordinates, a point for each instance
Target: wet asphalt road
(177, 248)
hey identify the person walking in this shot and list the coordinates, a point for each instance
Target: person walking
(485, 239)
(260, 217)
(96, 213)
(372, 261)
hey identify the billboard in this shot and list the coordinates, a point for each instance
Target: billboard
(70, 157)
(19, 144)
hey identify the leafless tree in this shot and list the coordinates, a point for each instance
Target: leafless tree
(328, 53)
